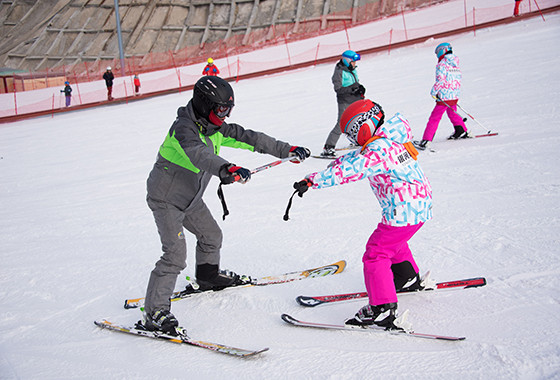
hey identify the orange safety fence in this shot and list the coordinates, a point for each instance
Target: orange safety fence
(161, 72)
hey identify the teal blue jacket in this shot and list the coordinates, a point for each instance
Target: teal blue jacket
(344, 81)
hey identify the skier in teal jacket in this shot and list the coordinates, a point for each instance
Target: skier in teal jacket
(187, 160)
(348, 90)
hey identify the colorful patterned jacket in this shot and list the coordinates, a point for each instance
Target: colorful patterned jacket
(389, 163)
(448, 78)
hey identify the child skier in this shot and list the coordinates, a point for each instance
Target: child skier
(211, 69)
(388, 160)
(67, 93)
(446, 91)
(348, 89)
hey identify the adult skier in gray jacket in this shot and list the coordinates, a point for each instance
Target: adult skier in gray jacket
(187, 160)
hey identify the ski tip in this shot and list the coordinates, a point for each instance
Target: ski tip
(477, 282)
(451, 338)
(132, 303)
(341, 266)
(308, 301)
(102, 323)
(288, 319)
(250, 354)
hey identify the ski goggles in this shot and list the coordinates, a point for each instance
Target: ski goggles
(222, 110)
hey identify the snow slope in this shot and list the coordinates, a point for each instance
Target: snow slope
(76, 237)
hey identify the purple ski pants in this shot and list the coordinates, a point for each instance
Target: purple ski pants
(386, 246)
(435, 118)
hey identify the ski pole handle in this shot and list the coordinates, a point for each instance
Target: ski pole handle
(272, 164)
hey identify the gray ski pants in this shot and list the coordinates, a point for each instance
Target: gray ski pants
(170, 222)
(334, 135)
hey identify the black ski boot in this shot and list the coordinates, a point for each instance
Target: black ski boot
(421, 145)
(460, 133)
(405, 277)
(161, 320)
(208, 277)
(380, 315)
(328, 152)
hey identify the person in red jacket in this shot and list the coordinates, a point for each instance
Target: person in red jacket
(136, 85)
(211, 69)
(516, 9)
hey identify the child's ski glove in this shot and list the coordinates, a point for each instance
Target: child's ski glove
(302, 186)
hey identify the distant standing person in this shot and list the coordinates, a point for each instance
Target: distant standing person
(446, 91)
(109, 77)
(211, 69)
(136, 85)
(348, 90)
(67, 93)
(516, 8)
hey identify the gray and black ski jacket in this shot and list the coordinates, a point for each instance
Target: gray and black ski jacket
(189, 156)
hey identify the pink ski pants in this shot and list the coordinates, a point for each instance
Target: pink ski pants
(387, 245)
(435, 118)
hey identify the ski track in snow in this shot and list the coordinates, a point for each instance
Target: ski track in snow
(77, 237)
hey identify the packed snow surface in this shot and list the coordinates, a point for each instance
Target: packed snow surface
(77, 239)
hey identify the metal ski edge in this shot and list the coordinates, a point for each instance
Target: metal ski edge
(217, 347)
(312, 301)
(298, 323)
(325, 270)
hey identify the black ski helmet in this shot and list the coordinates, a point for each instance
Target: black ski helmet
(212, 93)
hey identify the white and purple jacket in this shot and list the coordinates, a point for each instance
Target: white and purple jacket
(448, 78)
(402, 189)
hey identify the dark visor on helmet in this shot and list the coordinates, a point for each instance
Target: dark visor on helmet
(222, 111)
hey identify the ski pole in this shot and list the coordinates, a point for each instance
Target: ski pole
(274, 163)
(448, 106)
(256, 170)
(462, 109)
(469, 115)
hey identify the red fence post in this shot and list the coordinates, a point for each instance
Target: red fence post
(317, 53)
(125, 92)
(347, 37)
(237, 78)
(287, 50)
(474, 21)
(390, 41)
(77, 87)
(465, 6)
(15, 99)
(404, 24)
(539, 8)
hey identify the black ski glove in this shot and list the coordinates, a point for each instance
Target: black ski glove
(358, 89)
(302, 186)
(300, 152)
(230, 173)
(361, 90)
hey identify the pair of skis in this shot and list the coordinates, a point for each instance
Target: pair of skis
(181, 335)
(329, 299)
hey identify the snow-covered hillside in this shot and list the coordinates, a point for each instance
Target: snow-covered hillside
(76, 237)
